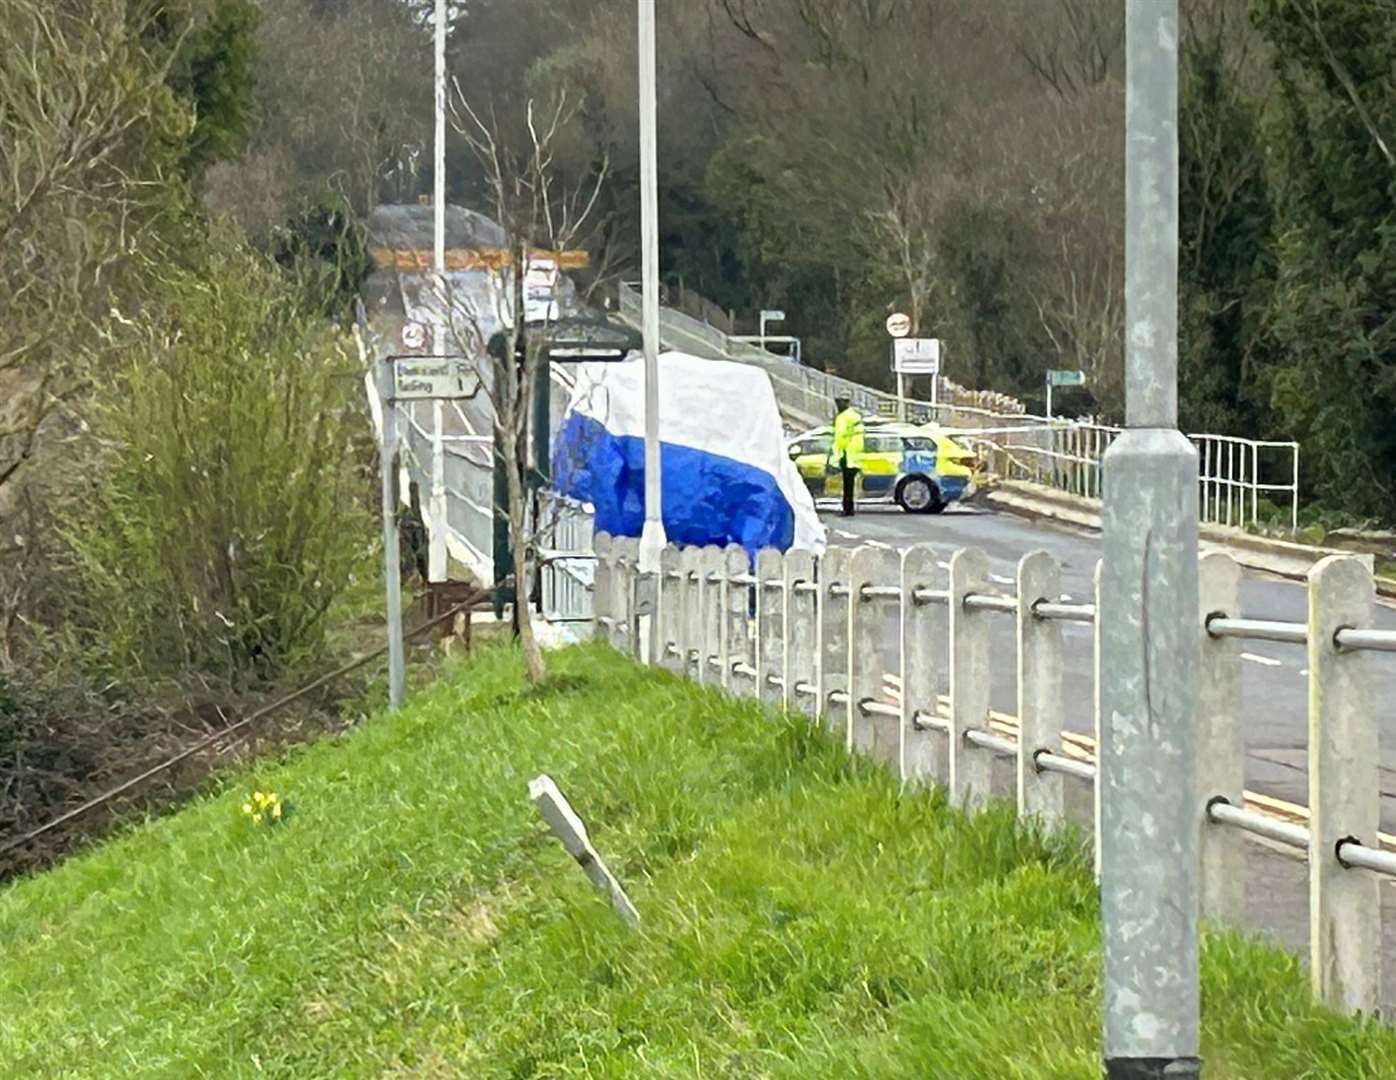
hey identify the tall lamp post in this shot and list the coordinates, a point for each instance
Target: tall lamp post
(436, 552)
(1149, 813)
(652, 539)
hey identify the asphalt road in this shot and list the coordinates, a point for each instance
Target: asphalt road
(1274, 676)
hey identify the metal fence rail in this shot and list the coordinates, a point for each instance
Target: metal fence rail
(1235, 474)
(853, 640)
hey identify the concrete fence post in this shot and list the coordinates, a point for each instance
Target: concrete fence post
(801, 632)
(602, 585)
(833, 641)
(874, 651)
(627, 552)
(1344, 905)
(691, 639)
(671, 610)
(923, 630)
(1041, 795)
(770, 626)
(736, 639)
(969, 679)
(1221, 744)
(713, 566)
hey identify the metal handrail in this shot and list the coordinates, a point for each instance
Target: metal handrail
(1373, 640)
(1290, 633)
(1355, 855)
(989, 602)
(1050, 609)
(989, 741)
(1220, 811)
(1047, 761)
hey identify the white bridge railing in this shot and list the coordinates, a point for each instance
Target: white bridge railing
(1235, 474)
(856, 638)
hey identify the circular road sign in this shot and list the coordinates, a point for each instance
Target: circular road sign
(899, 325)
(414, 335)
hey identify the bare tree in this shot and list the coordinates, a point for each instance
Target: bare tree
(79, 101)
(537, 204)
(88, 133)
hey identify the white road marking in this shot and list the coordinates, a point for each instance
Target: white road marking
(878, 544)
(1066, 598)
(1267, 661)
(1000, 579)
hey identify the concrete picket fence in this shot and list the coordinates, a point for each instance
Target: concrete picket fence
(851, 639)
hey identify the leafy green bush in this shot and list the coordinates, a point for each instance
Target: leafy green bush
(223, 518)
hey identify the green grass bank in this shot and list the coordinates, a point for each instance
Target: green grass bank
(411, 916)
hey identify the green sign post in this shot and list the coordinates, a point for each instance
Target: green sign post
(1062, 378)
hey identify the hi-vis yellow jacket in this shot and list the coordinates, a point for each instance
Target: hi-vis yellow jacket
(848, 434)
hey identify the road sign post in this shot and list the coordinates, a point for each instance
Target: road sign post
(392, 559)
(1062, 378)
(914, 356)
(408, 377)
(1150, 643)
(769, 315)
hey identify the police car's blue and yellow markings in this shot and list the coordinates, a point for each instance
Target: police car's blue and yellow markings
(919, 467)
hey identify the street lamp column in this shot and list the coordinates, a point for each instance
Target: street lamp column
(437, 565)
(652, 539)
(1149, 810)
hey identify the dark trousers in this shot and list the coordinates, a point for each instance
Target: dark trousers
(850, 476)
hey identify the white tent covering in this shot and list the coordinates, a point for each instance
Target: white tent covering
(725, 474)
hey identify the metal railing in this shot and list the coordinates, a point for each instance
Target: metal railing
(1235, 474)
(854, 639)
(566, 562)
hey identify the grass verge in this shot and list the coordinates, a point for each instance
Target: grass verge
(411, 917)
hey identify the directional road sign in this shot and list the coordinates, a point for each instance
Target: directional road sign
(916, 356)
(431, 378)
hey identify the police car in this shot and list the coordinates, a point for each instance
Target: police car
(920, 468)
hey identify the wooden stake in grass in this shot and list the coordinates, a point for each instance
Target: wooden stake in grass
(570, 829)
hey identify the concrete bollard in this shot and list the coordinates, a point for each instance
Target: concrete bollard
(874, 651)
(1221, 744)
(833, 641)
(1041, 795)
(969, 679)
(923, 628)
(712, 568)
(691, 641)
(602, 583)
(671, 609)
(770, 626)
(1344, 905)
(736, 651)
(801, 632)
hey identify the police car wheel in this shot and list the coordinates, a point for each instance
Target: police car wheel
(918, 495)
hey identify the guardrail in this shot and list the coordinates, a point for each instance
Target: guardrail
(1234, 473)
(566, 561)
(854, 638)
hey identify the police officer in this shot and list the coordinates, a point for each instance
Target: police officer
(848, 444)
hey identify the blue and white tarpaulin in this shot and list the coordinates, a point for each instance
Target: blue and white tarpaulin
(725, 475)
